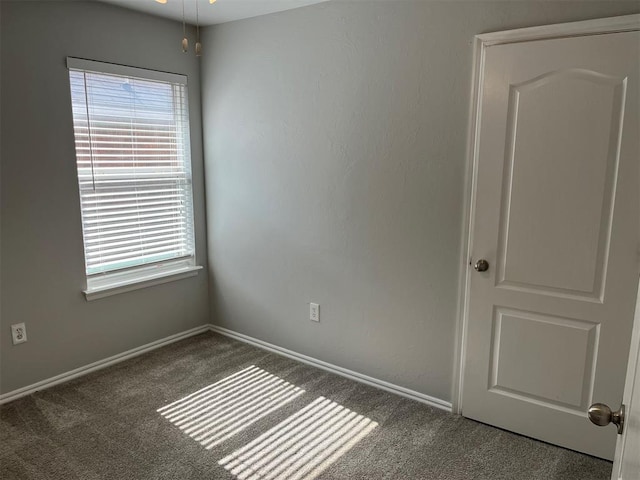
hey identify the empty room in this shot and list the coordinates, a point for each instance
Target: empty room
(319, 239)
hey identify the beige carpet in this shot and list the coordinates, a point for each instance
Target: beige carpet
(213, 408)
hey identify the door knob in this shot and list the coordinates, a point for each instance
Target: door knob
(601, 415)
(481, 265)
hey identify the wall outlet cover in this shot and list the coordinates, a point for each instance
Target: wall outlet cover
(18, 333)
(314, 312)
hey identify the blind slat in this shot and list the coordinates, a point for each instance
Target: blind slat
(118, 224)
(116, 247)
(134, 254)
(156, 232)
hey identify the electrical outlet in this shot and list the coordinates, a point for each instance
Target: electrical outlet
(18, 333)
(314, 312)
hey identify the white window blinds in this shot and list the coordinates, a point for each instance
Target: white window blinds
(134, 168)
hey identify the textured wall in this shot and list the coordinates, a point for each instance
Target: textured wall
(335, 143)
(42, 270)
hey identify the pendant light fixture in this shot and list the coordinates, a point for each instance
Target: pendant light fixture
(185, 40)
(198, 44)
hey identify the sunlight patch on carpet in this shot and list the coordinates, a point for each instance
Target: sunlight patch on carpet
(302, 446)
(221, 410)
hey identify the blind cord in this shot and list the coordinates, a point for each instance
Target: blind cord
(86, 105)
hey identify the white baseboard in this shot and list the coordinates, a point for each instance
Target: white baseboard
(343, 372)
(92, 367)
(350, 374)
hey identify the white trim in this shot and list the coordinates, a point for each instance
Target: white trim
(343, 372)
(469, 193)
(100, 364)
(625, 23)
(126, 71)
(113, 285)
(600, 26)
(629, 395)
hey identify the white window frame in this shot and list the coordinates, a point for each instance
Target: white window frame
(142, 276)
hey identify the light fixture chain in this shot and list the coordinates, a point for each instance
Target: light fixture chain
(185, 41)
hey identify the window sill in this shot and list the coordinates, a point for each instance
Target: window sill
(116, 286)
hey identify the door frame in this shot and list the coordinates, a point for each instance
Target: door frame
(625, 23)
(629, 396)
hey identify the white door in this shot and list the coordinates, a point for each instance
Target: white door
(555, 215)
(626, 465)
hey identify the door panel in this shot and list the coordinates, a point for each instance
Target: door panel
(556, 215)
(569, 238)
(562, 379)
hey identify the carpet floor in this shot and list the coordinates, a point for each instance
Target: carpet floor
(210, 407)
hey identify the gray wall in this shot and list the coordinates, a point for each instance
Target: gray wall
(335, 143)
(42, 256)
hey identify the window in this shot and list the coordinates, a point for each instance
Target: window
(131, 131)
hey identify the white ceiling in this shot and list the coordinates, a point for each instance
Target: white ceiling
(221, 11)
